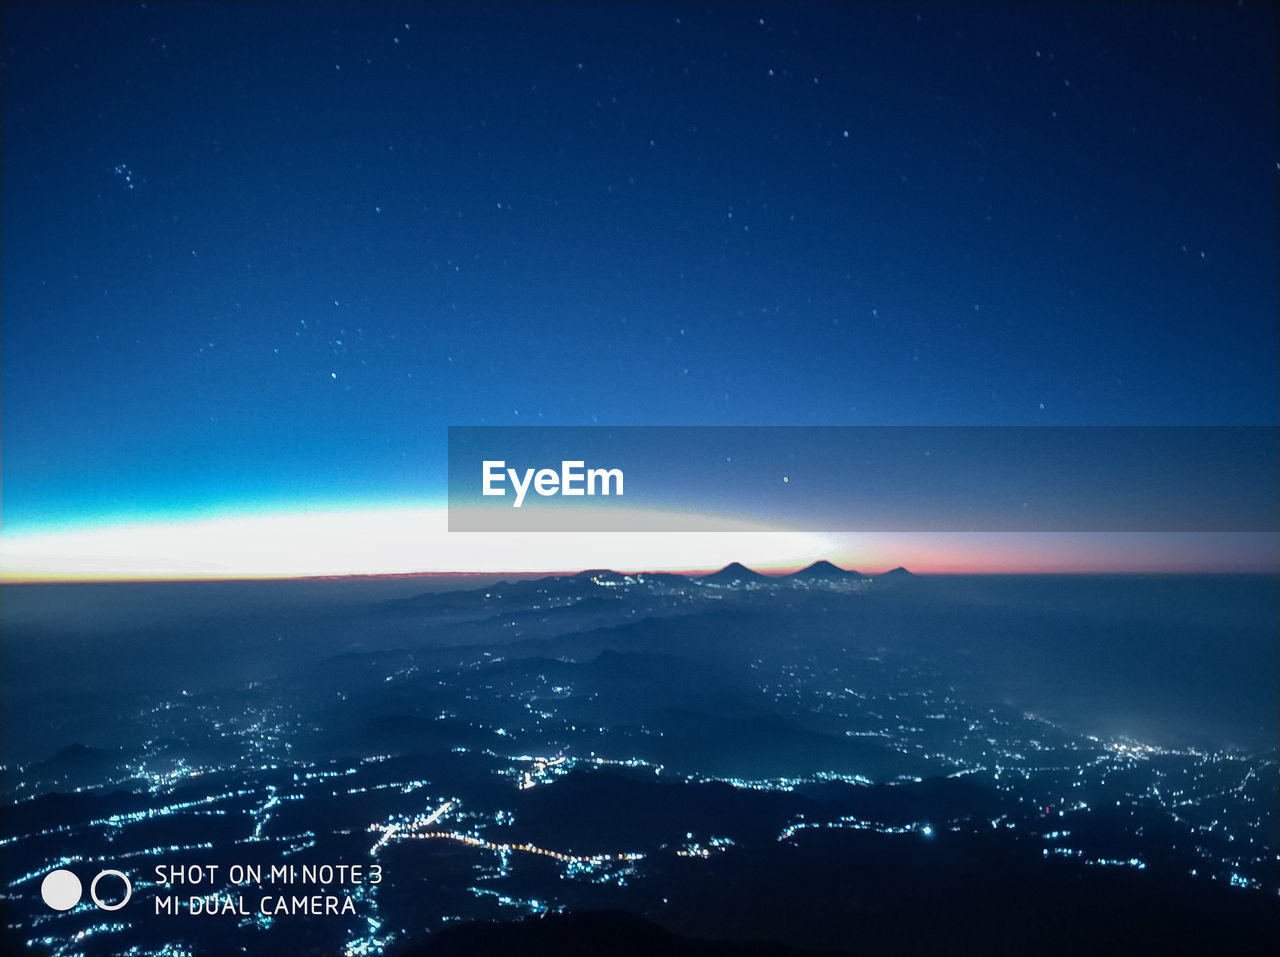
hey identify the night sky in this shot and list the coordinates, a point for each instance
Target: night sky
(257, 258)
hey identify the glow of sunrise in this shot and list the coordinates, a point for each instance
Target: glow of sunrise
(374, 541)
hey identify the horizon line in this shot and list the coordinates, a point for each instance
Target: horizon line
(20, 579)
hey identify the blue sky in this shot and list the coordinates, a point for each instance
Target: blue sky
(260, 256)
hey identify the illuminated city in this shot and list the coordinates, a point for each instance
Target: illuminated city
(590, 756)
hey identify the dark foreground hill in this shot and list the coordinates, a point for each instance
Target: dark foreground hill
(590, 934)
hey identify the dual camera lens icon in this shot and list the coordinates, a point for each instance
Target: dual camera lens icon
(61, 889)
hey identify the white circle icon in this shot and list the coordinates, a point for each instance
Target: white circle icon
(61, 890)
(93, 890)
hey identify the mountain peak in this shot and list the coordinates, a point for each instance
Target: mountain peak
(734, 572)
(823, 570)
